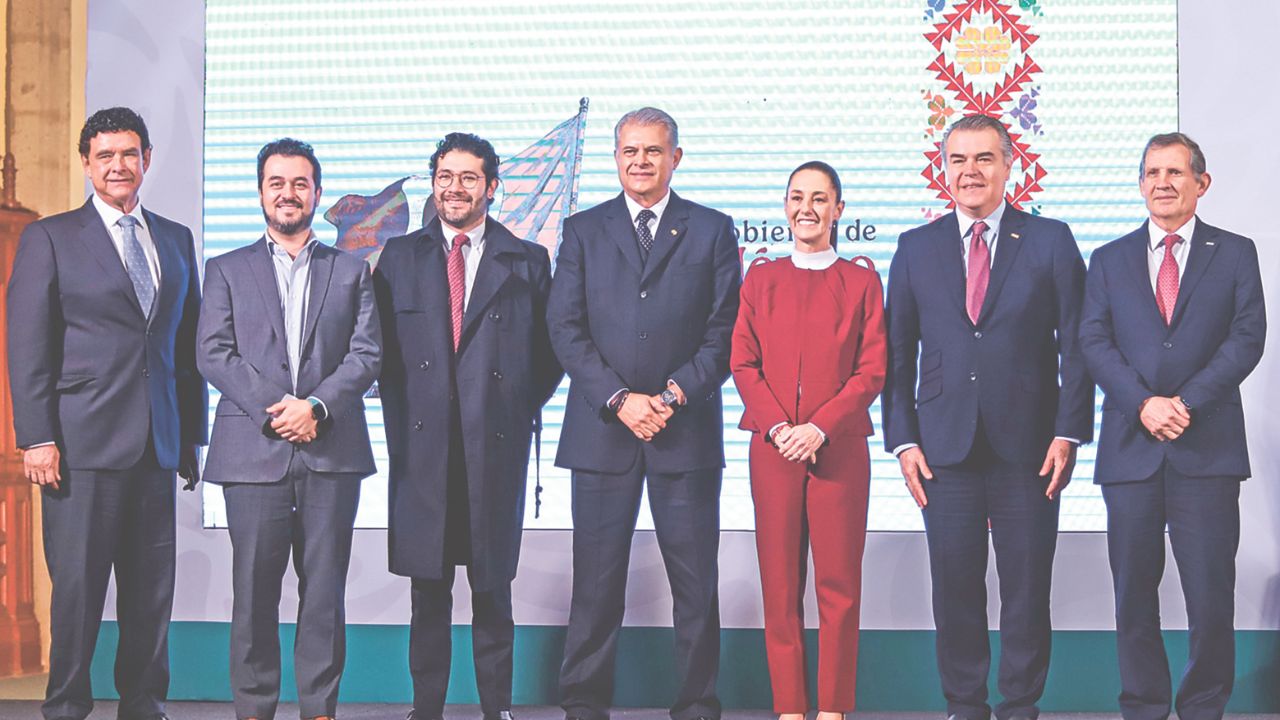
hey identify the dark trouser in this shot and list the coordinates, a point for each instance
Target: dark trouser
(1203, 516)
(686, 516)
(98, 520)
(311, 514)
(963, 499)
(430, 645)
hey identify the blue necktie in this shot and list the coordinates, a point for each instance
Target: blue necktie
(642, 230)
(135, 263)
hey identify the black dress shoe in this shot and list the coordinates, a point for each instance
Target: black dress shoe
(502, 715)
(414, 716)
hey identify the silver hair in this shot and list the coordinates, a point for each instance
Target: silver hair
(1162, 140)
(982, 122)
(648, 116)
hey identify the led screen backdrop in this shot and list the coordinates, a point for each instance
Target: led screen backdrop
(757, 87)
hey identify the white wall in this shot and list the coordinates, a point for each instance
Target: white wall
(148, 54)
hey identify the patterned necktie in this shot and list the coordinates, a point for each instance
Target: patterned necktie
(1167, 279)
(642, 230)
(457, 286)
(135, 263)
(979, 271)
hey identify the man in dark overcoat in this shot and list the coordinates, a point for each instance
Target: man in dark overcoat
(467, 368)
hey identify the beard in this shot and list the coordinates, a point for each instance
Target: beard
(290, 228)
(468, 214)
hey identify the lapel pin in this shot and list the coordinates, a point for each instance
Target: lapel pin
(1208, 242)
(1015, 236)
(673, 231)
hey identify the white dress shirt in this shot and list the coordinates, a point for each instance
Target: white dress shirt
(471, 254)
(658, 208)
(111, 218)
(992, 235)
(1155, 249)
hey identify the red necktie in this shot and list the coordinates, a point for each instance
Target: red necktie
(457, 286)
(1167, 279)
(979, 271)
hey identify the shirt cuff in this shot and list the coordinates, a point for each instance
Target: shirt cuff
(317, 402)
(1071, 440)
(608, 404)
(769, 435)
(903, 448)
(36, 445)
(824, 435)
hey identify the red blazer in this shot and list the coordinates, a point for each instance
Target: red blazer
(809, 346)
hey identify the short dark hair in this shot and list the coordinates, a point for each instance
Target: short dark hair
(472, 144)
(111, 120)
(823, 168)
(289, 148)
(982, 122)
(1162, 140)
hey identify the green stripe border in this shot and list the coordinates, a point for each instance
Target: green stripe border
(896, 669)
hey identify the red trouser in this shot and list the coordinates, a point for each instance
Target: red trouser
(827, 502)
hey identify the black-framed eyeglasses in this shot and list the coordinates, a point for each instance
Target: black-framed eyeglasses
(469, 180)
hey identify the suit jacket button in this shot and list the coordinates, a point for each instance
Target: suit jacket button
(973, 376)
(495, 316)
(977, 334)
(644, 294)
(644, 336)
(497, 375)
(1168, 345)
(417, 425)
(500, 436)
(284, 366)
(424, 364)
(146, 373)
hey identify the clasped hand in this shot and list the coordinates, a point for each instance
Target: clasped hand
(644, 415)
(292, 420)
(1166, 418)
(799, 443)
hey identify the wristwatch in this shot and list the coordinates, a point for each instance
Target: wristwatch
(670, 399)
(317, 410)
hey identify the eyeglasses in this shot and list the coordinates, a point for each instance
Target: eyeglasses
(469, 180)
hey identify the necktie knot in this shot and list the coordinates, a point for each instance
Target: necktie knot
(979, 231)
(459, 241)
(644, 216)
(1170, 240)
(127, 221)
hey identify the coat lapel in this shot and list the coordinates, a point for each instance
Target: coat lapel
(618, 227)
(264, 274)
(495, 268)
(1200, 254)
(950, 260)
(671, 229)
(1007, 247)
(98, 244)
(172, 278)
(1135, 251)
(320, 271)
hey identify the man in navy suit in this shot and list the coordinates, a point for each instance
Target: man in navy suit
(1173, 323)
(986, 302)
(107, 404)
(642, 308)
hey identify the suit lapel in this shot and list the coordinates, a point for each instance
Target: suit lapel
(949, 260)
(670, 232)
(1135, 249)
(171, 275)
(264, 273)
(494, 269)
(98, 244)
(1007, 247)
(618, 227)
(320, 271)
(1199, 255)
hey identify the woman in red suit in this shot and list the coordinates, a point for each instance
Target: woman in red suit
(808, 359)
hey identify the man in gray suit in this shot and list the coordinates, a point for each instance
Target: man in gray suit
(107, 403)
(290, 336)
